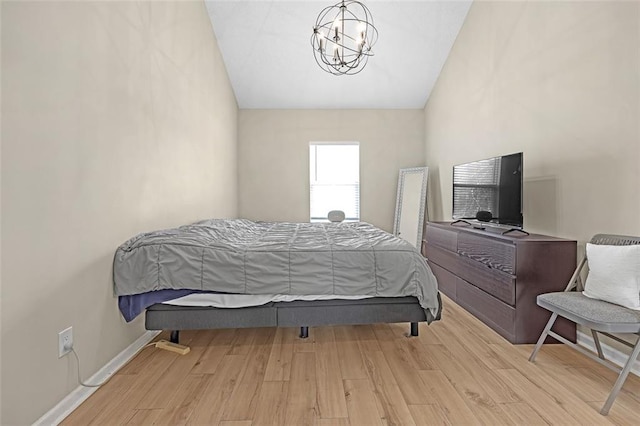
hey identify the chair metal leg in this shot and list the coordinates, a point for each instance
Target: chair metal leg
(596, 341)
(621, 378)
(543, 336)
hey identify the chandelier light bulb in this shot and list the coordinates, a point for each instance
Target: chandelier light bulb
(349, 26)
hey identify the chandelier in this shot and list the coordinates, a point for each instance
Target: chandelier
(343, 37)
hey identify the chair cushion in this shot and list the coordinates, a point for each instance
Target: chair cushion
(593, 313)
(614, 274)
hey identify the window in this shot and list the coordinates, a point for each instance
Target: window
(334, 180)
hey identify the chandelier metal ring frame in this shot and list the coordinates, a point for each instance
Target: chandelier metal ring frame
(342, 38)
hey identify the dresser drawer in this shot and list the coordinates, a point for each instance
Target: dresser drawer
(446, 280)
(488, 251)
(447, 239)
(499, 316)
(497, 283)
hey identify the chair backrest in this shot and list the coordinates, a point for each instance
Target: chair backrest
(614, 240)
(335, 216)
(606, 240)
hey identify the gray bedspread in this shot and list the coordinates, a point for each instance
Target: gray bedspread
(241, 256)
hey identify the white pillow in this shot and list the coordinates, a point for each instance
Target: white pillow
(614, 274)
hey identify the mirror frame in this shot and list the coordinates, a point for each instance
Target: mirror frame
(423, 213)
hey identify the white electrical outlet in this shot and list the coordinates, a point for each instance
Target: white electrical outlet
(65, 342)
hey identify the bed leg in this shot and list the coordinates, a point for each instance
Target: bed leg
(304, 332)
(414, 328)
(175, 336)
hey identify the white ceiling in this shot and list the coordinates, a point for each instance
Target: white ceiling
(266, 48)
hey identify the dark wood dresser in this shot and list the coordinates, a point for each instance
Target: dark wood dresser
(497, 277)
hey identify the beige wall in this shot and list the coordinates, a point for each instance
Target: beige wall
(117, 118)
(559, 81)
(274, 158)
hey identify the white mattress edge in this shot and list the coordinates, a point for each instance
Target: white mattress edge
(244, 300)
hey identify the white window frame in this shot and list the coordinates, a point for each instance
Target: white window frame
(313, 181)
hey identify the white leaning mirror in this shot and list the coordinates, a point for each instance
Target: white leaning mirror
(411, 205)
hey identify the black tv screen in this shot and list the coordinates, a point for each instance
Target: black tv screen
(493, 185)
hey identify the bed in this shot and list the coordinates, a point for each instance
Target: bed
(317, 273)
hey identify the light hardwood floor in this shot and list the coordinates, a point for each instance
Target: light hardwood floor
(458, 371)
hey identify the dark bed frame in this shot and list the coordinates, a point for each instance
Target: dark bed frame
(301, 314)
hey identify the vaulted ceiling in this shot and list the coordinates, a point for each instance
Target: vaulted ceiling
(266, 48)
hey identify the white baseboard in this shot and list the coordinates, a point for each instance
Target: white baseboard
(610, 353)
(61, 410)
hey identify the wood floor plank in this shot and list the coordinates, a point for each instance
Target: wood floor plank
(366, 336)
(243, 400)
(361, 403)
(333, 422)
(139, 362)
(271, 407)
(402, 366)
(401, 329)
(426, 334)
(473, 343)
(210, 408)
(494, 386)
(243, 339)
(564, 355)
(169, 380)
(101, 400)
(521, 413)
(549, 384)
(224, 337)
(418, 354)
(429, 415)
(470, 390)
(210, 359)
(145, 417)
(545, 404)
(184, 401)
(329, 387)
(378, 369)
(279, 364)
(144, 382)
(351, 362)
(589, 380)
(305, 345)
(623, 412)
(389, 399)
(391, 405)
(445, 395)
(301, 398)
(602, 380)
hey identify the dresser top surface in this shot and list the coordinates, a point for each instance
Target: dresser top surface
(496, 232)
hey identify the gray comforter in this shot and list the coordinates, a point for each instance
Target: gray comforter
(241, 256)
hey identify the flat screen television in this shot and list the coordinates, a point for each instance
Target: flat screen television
(492, 187)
